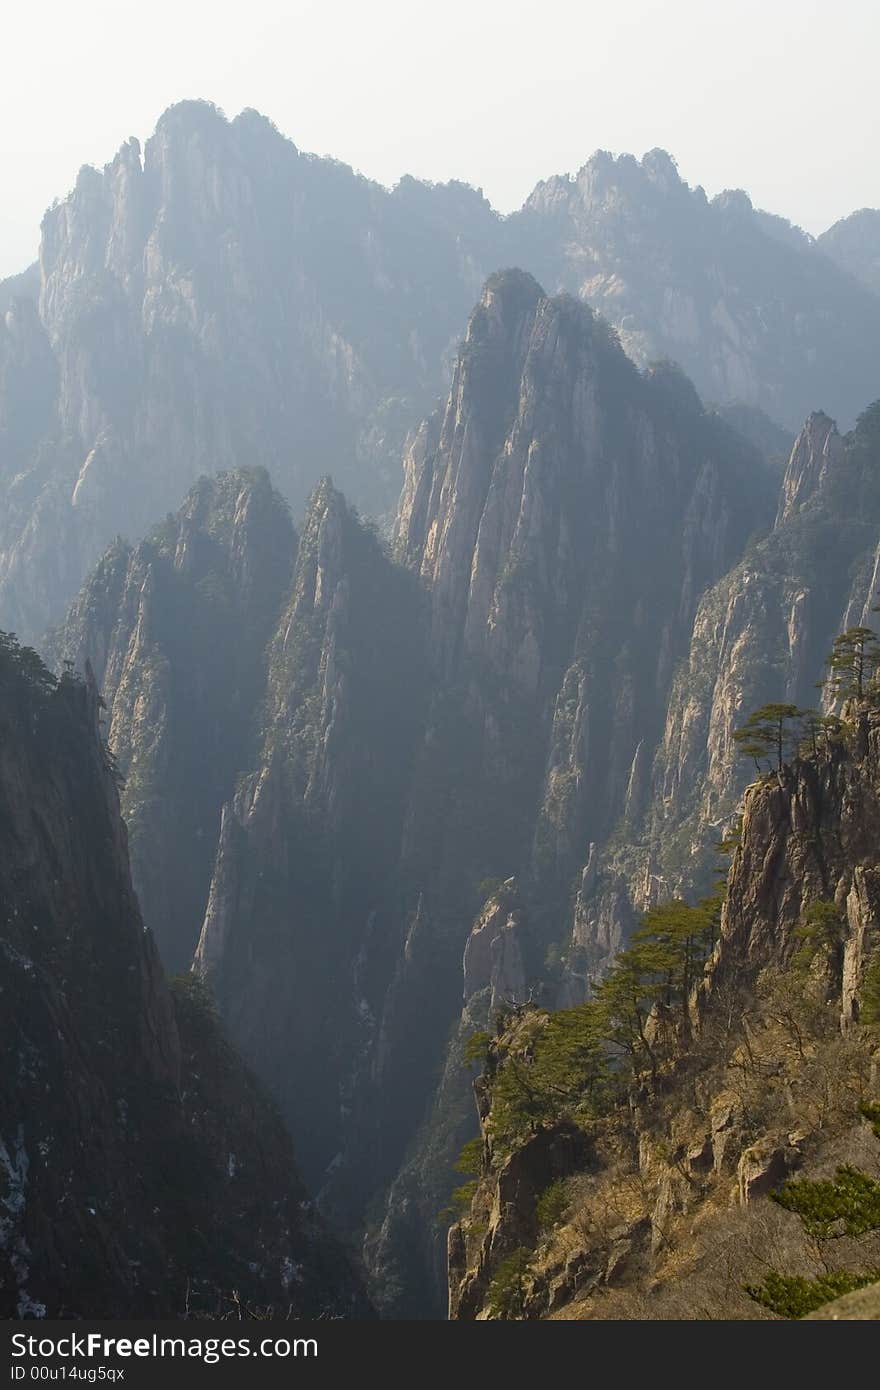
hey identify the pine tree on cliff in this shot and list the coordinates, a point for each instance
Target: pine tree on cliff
(854, 659)
(772, 732)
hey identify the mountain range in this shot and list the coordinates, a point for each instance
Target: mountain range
(392, 775)
(219, 299)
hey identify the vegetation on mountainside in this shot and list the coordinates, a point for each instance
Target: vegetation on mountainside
(778, 732)
(792, 1296)
(848, 1204)
(23, 672)
(822, 928)
(507, 1290)
(852, 663)
(576, 1063)
(41, 702)
(870, 996)
(773, 1050)
(553, 1205)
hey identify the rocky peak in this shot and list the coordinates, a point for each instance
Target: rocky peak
(175, 631)
(605, 179)
(662, 170)
(323, 563)
(734, 202)
(493, 958)
(588, 1209)
(553, 460)
(298, 934)
(817, 452)
(854, 243)
(25, 285)
(709, 284)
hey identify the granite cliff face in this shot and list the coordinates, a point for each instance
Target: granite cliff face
(483, 707)
(761, 633)
(660, 1204)
(142, 1171)
(174, 633)
(219, 299)
(303, 912)
(556, 465)
(214, 300)
(553, 465)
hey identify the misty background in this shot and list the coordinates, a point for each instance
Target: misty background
(771, 98)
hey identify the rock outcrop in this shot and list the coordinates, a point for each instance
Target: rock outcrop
(772, 1074)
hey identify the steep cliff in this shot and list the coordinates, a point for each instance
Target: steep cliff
(566, 512)
(568, 519)
(304, 911)
(761, 633)
(142, 1171)
(174, 632)
(485, 708)
(651, 1199)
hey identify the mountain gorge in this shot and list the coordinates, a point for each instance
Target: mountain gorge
(318, 813)
(429, 722)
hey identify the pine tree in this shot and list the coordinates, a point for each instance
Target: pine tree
(772, 732)
(819, 730)
(854, 658)
(624, 1000)
(679, 937)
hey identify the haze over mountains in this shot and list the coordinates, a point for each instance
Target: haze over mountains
(381, 781)
(221, 299)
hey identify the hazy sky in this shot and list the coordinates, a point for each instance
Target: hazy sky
(775, 96)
